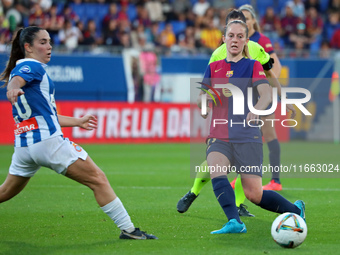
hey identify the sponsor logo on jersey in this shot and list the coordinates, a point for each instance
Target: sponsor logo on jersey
(25, 69)
(268, 45)
(229, 73)
(262, 73)
(25, 126)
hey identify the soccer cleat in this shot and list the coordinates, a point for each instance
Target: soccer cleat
(272, 185)
(232, 184)
(185, 202)
(301, 205)
(231, 227)
(137, 234)
(242, 211)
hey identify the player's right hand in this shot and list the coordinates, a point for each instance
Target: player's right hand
(13, 94)
(213, 94)
(206, 115)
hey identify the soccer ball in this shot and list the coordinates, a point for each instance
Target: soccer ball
(289, 230)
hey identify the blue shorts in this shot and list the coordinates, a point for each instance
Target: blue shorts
(246, 157)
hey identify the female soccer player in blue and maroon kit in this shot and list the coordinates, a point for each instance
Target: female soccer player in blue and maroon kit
(234, 139)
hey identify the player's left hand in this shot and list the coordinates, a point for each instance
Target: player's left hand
(290, 108)
(88, 122)
(253, 117)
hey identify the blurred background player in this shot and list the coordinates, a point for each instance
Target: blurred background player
(268, 129)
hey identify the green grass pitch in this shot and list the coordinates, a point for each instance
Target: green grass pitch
(55, 215)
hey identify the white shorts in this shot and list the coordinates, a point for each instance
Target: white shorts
(57, 153)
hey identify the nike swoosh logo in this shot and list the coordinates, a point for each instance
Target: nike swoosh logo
(220, 195)
(143, 237)
(242, 229)
(218, 70)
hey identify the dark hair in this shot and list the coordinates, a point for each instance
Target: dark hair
(235, 14)
(23, 35)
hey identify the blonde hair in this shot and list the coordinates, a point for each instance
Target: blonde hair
(250, 9)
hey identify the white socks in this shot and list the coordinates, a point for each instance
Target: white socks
(116, 211)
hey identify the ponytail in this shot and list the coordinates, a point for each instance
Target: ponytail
(23, 35)
(16, 54)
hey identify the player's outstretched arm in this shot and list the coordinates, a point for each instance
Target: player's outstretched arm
(88, 122)
(14, 89)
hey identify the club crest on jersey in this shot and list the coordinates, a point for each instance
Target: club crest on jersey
(229, 74)
(77, 147)
(25, 69)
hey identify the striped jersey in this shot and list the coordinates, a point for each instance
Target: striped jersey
(35, 113)
(263, 40)
(225, 124)
(256, 52)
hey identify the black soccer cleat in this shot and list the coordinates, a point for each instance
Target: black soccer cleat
(185, 202)
(137, 234)
(242, 211)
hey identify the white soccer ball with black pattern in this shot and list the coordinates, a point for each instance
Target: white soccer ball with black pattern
(289, 230)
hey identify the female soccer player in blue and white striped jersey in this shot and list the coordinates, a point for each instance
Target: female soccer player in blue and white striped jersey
(38, 137)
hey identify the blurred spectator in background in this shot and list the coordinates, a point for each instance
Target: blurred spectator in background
(209, 17)
(200, 7)
(270, 24)
(70, 35)
(45, 5)
(5, 34)
(211, 37)
(136, 34)
(125, 39)
(154, 9)
(167, 36)
(151, 78)
(91, 35)
(300, 39)
(313, 3)
(181, 7)
(325, 50)
(222, 4)
(335, 41)
(222, 15)
(54, 22)
(278, 49)
(152, 34)
(332, 24)
(298, 8)
(142, 17)
(190, 18)
(122, 14)
(288, 24)
(314, 23)
(69, 14)
(111, 34)
(111, 15)
(37, 16)
(187, 42)
(333, 5)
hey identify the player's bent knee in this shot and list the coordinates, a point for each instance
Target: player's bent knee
(254, 197)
